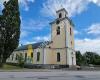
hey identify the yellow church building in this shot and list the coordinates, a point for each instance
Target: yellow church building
(59, 52)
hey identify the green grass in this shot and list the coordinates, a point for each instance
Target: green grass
(9, 67)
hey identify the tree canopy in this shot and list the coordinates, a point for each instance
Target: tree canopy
(91, 58)
(79, 58)
(87, 58)
(9, 29)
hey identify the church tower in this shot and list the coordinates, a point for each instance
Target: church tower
(62, 37)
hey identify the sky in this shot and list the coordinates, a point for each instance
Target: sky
(37, 14)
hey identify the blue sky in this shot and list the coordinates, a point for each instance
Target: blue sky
(37, 14)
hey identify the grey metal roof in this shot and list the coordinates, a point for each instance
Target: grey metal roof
(34, 46)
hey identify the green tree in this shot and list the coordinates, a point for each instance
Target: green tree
(0, 37)
(97, 61)
(10, 29)
(79, 58)
(2, 34)
(91, 58)
(21, 60)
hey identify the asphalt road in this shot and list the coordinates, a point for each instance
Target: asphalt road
(51, 75)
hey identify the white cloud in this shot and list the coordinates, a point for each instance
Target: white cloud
(86, 44)
(33, 25)
(23, 3)
(72, 6)
(1, 3)
(94, 29)
(36, 39)
(76, 32)
(42, 38)
(24, 34)
(95, 2)
(28, 27)
(30, 42)
(24, 42)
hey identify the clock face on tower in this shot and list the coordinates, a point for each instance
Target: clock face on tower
(57, 22)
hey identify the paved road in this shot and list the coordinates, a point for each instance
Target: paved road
(52, 75)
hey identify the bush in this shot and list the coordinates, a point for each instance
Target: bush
(21, 60)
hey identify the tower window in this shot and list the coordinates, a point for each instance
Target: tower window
(70, 31)
(60, 15)
(58, 57)
(58, 30)
(38, 56)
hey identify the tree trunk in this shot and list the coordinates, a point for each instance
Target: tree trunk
(1, 61)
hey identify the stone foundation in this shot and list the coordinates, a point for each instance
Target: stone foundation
(45, 66)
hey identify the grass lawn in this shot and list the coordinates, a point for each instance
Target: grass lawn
(12, 68)
(9, 67)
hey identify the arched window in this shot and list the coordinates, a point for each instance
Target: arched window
(65, 15)
(25, 56)
(31, 54)
(16, 56)
(70, 31)
(38, 56)
(12, 57)
(71, 43)
(58, 30)
(60, 15)
(58, 57)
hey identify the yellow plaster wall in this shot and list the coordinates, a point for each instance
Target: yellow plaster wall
(51, 56)
(41, 56)
(58, 40)
(29, 51)
(70, 37)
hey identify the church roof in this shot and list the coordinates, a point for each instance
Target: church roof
(63, 9)
(34, 46)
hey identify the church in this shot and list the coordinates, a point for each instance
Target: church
(59, 52)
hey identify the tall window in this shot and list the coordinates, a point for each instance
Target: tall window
(70, 31)
(58, 57)
(16, 56)
(60, 15)
(71, 43)
(38, 56)
(31, 54)
(72, 60)
(12, 57)
(25, 56)
(58, 30)
(65, 15)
